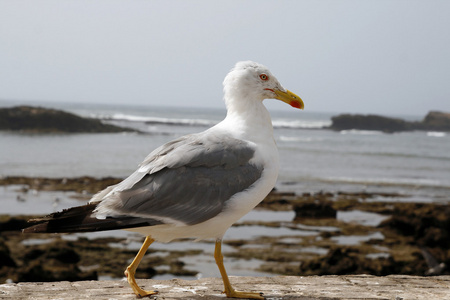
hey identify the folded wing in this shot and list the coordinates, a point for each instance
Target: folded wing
(186, 181)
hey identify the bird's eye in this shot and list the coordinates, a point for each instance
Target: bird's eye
(264, 77)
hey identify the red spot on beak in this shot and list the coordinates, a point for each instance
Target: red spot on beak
(295, 104)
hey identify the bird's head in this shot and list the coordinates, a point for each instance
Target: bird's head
(251, 79)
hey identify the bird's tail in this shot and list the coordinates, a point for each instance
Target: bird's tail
(81, 219)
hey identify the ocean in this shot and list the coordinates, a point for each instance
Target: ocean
(413, 165)
(313, 159)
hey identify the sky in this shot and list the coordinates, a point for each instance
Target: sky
(385, 57)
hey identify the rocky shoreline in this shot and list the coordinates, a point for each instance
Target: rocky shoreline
(401, 242)
(47, 120)
(433, 121)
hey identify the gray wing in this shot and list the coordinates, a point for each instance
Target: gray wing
(187, 180)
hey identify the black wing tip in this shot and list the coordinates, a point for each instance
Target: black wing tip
(58, 221)
(80, 219)
(38, 228)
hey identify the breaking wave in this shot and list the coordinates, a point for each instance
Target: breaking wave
(162, 121)
(296, 124)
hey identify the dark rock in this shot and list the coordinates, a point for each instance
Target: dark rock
(7, 263)
(43, 271)
(177, 269)
(56, 262)
(428, 224)
(348, 260)
(13, 223)
(5, 257)
(278, 201)
(33, 254)
(369, 122)
(45, 120)
(78, 184)
(434, 120)
(338, 261)
(314, 208)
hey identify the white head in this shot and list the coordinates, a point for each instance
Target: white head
(253, 81)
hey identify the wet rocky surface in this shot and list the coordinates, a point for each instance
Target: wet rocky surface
(82, 185)
(327, 233)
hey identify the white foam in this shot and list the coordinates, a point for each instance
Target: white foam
(436, 134)
(361, 132)
(298, 124)
(284, 138)
(158, 120)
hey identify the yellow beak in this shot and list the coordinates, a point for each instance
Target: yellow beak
(290, 98)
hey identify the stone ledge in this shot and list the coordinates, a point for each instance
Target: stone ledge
(395, 287)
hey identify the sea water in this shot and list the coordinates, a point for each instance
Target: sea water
(312, 157)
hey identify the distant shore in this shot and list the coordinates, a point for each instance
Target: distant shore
(48, 120)
(433, 121)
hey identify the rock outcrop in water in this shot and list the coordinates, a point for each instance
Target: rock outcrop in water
(368, 122)
(436, 120)
(45, 120)
(433, 121)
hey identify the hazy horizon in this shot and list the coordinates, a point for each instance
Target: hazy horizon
(369, 57)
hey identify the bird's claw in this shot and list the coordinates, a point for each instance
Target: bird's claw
(143, 293)
(136, 289)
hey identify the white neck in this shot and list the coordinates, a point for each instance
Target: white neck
(249, 118)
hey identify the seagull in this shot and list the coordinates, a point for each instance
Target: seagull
(195, 186)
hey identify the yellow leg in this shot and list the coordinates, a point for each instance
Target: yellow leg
(131, 270)
(229, 291)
